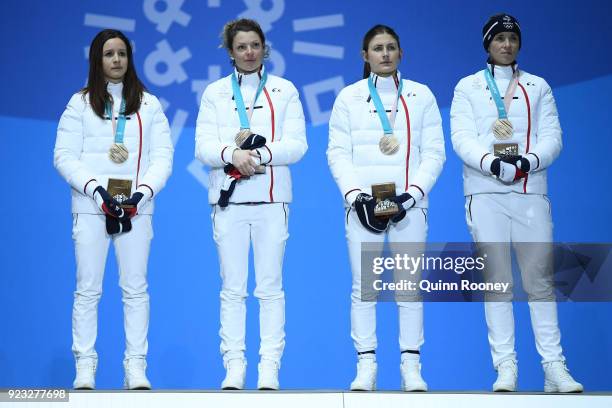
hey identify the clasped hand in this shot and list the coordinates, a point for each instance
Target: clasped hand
(245, 161)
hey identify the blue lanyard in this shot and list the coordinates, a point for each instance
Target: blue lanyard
(501, 109)
(240, 107)
(380, 109)
(120, 123)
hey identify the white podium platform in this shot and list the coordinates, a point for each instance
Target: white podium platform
(319, 399)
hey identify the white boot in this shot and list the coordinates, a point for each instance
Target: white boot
(365, 380)
(507, 376)
(411, 376)
(235, 374)
(558, 379)
(268, 375)
(85, 374)
(135, 374)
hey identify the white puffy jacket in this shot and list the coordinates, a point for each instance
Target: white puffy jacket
(84, 139)
(278, 116)
(537, 132)
(353, 154)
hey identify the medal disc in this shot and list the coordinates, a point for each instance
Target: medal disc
(242, 136)
(118, 153)
(502, 129)
(388, 144)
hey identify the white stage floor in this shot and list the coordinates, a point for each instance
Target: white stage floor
(316, 399)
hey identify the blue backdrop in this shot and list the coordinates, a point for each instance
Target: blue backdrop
(316, 45)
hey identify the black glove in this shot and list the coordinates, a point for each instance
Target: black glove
(517, 160)
(364, 205)
(405, 202)
(253, 142)
(233, 175)
(107, 204)
(506, 172)
(130, 206)
(117, 226)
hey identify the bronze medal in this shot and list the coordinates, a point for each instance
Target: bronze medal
(241, 136)
(118, 153)
(388, 144)
(502, 129)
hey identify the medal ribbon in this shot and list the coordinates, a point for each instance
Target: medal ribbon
(502, 107)
(240, 107)
(386, 122)
(119, 127)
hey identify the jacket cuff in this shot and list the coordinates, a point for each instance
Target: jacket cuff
(485, 164)
(416, 192)
(146, 191)
(226, 153)
(90, 187)
(266, 154)
(534, 161)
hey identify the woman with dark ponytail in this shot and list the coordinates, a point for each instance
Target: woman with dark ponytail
(385, 133)
(113, 147)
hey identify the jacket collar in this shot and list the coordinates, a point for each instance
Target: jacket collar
(251, 79)
(502, 72)
(115, 90)
(385, 84)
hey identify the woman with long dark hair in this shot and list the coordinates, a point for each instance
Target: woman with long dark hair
(113, 147)
(385, 134)
(249, 130)
(506, 144)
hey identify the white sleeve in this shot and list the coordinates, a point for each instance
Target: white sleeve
(548, 133)
(340, 151)
(161, 152)
(208, 148)
(69, 146)
(464, 134)
(292, 146)
(432, 150)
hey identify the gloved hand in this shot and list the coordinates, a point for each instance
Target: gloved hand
(364, 205)
(522, 163)
(254, 141)
(505, 172)
(107, 204)
(118, 225)
(130, 206)
(405, 202)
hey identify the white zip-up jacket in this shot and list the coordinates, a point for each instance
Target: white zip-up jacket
(537, 131)
(278, 116)
(84, 139)
(355, 130)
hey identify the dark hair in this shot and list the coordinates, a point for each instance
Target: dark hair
(231, 28)
(373, 32)
(96, 83)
